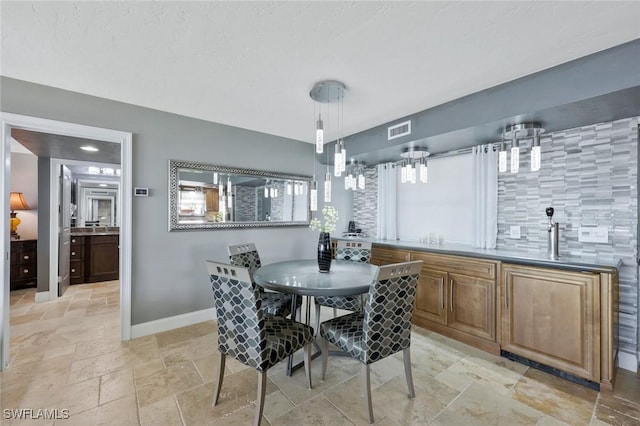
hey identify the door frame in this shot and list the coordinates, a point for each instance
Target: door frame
(9, 121)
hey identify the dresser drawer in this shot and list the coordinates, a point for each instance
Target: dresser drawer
(77, 252)
(26, 271)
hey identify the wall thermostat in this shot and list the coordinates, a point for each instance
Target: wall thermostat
(141, 192)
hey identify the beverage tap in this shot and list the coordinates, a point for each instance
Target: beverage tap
(553, 235)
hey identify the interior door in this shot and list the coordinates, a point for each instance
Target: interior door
(64, 231)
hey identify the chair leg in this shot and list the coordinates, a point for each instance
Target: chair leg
(325, 356)
(216, 392)
(406, 355)
(366, 374)
(307, 363)
(317, 330)
(262, 387)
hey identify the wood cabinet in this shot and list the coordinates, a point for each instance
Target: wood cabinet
(553, 317)
(23, 269)
(456, 297)
(560, 318)
(102, 258)
(94, 258)
(385, 256)
(77, 260)
(212, 199)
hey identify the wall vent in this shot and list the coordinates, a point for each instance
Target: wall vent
(399, 130)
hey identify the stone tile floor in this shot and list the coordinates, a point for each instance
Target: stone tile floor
(66, 355)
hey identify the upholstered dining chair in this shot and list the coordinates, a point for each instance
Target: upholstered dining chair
(273, 303)
(382, 329)
(247, 334)
(355, 251)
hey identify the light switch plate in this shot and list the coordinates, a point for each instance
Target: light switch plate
(514, 232)
(593, 234)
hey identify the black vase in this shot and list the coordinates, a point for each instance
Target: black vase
(324, 252)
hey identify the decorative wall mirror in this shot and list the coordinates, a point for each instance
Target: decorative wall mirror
(204, 196)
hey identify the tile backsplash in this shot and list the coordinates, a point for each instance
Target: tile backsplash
(589, 176)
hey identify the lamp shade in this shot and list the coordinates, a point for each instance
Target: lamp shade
(16, 202)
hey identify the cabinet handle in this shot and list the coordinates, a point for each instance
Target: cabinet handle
(73, 240)
(26, 271)
(442, 294)
(73, 270)
(73, 253)
(451, 294)
(25, 257)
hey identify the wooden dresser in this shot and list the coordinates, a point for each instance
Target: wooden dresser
(24, 270)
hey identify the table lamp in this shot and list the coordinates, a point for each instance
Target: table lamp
(16, 202)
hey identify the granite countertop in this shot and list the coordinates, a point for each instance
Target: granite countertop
(534, 258)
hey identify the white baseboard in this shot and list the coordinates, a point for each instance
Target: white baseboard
(165, 324)
(628, 361)
(42, 296)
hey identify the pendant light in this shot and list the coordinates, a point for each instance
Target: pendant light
(361, 180)
(337, 161)
(502, 157)
(535, 153)
(414, 166)
(423, 171)
(327, 92)
(313, 195)
(515, 155)
(517, 133)
(319, 134)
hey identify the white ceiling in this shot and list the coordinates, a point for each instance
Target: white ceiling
(252, 64)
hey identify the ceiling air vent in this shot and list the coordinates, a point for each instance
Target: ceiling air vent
(399, 130)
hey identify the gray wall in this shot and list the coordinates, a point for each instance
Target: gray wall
(168, 269)
(44, 197)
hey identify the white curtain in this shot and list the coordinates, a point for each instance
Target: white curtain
(485, 196)
(387, 201)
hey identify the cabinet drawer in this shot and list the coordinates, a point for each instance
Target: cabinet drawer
(457, 264)
(26, 271)
(386, 256)
(25, 257)
(77, 252)
(103, 239)
(77, 241)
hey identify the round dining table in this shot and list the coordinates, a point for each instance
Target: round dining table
(303, 277)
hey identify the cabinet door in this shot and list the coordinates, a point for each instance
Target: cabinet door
(471, 305)
(431, 296)
(552, 317)
(211, 199)
(102, 263)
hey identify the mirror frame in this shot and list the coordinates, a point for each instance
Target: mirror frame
(174, 224)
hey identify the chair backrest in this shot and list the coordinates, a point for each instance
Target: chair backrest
(356, 251)
(245, 255)
(387, 315)
(241, 325)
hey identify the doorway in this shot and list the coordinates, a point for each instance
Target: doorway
(33, 124)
